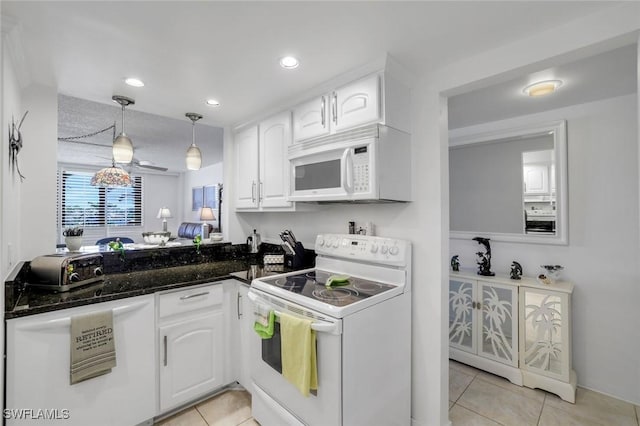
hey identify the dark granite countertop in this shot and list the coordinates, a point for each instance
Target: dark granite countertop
(142, 272)
(118, 286)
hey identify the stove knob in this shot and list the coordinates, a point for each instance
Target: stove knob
(98, 271)
(394, 250)
(74, 277)
(320, 241)
(336, 243)
(374, 248)
(384, 249)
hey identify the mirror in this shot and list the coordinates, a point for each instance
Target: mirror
(509, 184)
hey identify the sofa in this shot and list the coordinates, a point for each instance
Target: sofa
(191, 229)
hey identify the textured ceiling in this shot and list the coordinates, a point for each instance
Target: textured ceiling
(160, 140)
(187, 51)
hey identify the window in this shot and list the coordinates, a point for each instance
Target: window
(81, 204)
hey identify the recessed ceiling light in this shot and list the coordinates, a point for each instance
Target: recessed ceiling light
(213, 102)
(289, 62)
(134, 82)
(542, 88)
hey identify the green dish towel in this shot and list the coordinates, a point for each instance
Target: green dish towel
(298, 348)
(265, 331)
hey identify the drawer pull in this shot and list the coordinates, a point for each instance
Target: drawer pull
(189, 296)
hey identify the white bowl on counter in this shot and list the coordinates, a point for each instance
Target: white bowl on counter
(156, 237)
(216, 237)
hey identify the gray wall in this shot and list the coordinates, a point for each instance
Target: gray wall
(485, 184)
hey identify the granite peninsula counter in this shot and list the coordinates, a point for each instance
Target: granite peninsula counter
(139, 272)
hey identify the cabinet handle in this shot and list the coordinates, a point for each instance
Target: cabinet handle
(261, 191)
(479, 305)
(253, 191)
(189, 296)
(473, 304)
(165, 351)
(334, 106)
(322, 112)
(239, 296)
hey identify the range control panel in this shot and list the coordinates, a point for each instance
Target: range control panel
(388, 251)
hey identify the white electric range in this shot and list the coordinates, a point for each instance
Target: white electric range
(363, 335)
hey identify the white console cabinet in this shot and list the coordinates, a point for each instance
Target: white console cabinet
(517, 329)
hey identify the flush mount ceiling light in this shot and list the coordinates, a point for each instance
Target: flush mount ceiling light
(289, 62)
(213, 102)
(122, 146)
(111, 177)
(542, 88)
(135, 82)
(194, 156)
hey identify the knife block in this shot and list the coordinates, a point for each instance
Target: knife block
(296, 260)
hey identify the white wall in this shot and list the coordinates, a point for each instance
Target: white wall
(38, 201)
(602, 257)
(161, 190)
(206, 176)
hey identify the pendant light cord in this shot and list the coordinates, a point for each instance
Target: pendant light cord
(88, 135)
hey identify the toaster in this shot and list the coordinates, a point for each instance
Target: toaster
(63, 272)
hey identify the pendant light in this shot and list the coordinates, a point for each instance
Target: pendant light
(122, 146)
(111, 177)
(194, 156)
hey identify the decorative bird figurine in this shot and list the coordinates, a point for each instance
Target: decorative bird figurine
(516, 271)
(455, 263)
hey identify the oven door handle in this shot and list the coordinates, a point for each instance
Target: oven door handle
(321, 327)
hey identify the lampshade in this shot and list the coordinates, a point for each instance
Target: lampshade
(164, 213)
(207, 214)
(194, 156)
(122, 149)
(122, 146)
(111, 177)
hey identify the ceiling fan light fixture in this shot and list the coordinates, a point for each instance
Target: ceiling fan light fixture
(541, 88)
(194, 156)
(111, 177)
(122, 145)
(135, 82)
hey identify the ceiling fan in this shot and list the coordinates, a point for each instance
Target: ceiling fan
(139, 164)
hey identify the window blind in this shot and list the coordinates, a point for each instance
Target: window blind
(81, 204)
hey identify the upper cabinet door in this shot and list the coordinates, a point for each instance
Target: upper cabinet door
(536, 179)
(311, 119)
(246, 146)
(275, 137)
(356, 103)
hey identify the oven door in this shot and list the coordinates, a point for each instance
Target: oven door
(275, 400)
(335, 171)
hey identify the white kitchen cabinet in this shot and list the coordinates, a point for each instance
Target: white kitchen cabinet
(517, 329)
(545, 339)
(375, 98)
(311, 118)
(245, 332)
(536, 179)
(191, 337)
(483, 323)
(357, 103)
(262, 168)
(246, 165)
(37, 373)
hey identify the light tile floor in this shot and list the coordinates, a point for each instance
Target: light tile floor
(476, 398)
(231, 408)
(479, 398)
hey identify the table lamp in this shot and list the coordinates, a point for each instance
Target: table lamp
(163, 214)
(206, 214)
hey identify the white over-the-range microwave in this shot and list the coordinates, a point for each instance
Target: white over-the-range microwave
(370, 164)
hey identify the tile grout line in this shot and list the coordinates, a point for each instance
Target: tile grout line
(481, 415)
(465, 389)
(544, 401)
(200, 414)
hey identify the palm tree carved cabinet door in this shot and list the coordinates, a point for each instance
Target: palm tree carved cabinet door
(462, 315)
(498, 334)
(545, 346)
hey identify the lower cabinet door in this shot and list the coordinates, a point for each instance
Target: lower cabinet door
(191, 358)
(246, 337)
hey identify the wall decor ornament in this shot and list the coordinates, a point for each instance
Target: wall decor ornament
(15, 145)
(484, 259)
